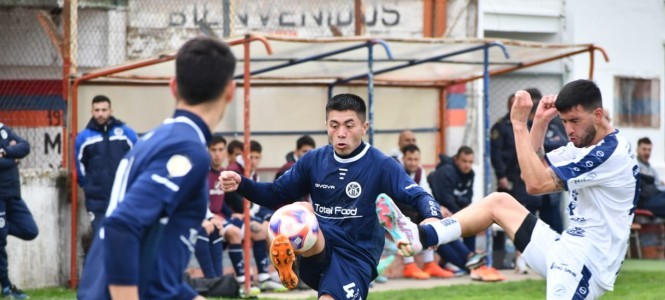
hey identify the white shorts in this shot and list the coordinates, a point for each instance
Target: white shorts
(566, 273)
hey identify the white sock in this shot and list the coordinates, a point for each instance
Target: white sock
(409, 260)
(264, 277)
(428, 255)
(447, 230)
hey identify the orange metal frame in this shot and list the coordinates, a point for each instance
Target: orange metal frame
(74, 129)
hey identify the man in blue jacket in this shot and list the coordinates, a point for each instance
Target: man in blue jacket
(99, 149)
(15, 217)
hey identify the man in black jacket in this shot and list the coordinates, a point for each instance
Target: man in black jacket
(452, 183)
(15, 217)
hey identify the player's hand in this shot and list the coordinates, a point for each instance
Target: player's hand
(546, 110)
(521, 110)
(503, 184)
(230, 181)
(217, 222)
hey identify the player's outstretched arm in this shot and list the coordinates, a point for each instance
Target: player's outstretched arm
(538, 178)
(545, 112)
(230, 181)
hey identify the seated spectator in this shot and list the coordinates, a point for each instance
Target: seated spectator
(652, 193)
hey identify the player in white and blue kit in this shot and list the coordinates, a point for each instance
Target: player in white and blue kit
(343, 180)
(160, 194)
(597, 167)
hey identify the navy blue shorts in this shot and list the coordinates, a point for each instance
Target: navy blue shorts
(340, 275)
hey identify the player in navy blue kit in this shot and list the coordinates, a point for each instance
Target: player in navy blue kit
(160, 193)
(343, 180)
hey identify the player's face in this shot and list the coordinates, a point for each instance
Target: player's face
(254, 160)
(217, 154)
(411, 161)
(304, 149)
(101, 112)
(345, 130)
(463, 161)
(581, 125)
(644, 152)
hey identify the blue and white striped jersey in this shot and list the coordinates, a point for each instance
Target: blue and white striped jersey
(603, 187)
(158, 202)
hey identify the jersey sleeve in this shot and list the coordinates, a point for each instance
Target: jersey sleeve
(561, 154)
(589, 168)
(403, 189)
(292, 185)
(153, 194)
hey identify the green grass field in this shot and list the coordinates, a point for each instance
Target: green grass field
(641, 279)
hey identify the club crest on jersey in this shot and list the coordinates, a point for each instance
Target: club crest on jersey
(178, 165)
(353, 189)
(4, 134)
(118, 131)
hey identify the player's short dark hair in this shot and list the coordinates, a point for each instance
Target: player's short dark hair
(100, 99)
(464, 150)
(305, 140)
(644, 140)
(410, 148)
(203, 67)
(342, 102)
(579, 92)
(255, 146)
(235, 144)
(216, 139)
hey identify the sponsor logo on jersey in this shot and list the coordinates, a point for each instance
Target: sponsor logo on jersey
(588, 177)
(324, 186)
(576, 231)
(353, 189)
(562, 267)
(589, 163)
(600, 153)
(336, 210)
(580, 220)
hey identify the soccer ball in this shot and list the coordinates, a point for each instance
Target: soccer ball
(297, 223)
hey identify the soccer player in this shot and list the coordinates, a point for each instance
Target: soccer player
(598, 168)
(343, 180)
(160, 193)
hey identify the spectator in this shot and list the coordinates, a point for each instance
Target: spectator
(411, 161)
(258, 227)
(452, 184)
(15, 216)
(406, 137)
(303, 145)
(234, 149)
(99, 149)
(652, 193)
(208, 248)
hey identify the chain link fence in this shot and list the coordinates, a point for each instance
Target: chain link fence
(112, 32)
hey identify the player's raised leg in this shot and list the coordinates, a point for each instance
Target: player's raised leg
(293, 230)
(401, 229)
(500, 208)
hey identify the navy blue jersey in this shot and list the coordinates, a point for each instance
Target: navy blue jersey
(158, 202)
(343, 191)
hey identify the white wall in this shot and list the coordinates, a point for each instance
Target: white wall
(44, 261)
(279, 109)
(633, 34)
